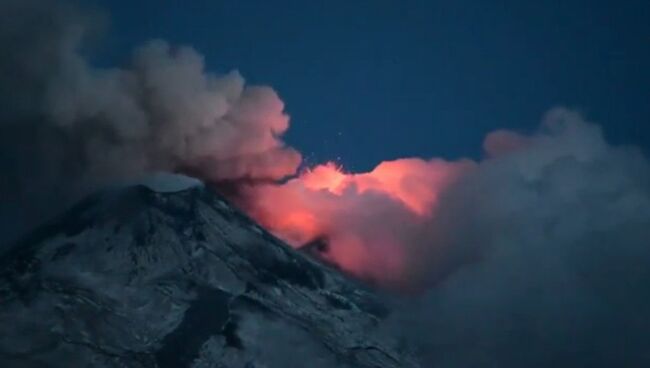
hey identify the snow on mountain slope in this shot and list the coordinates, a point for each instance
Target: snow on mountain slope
(138, 278)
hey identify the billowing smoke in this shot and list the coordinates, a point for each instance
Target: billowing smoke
(409, 222)
(536, 255)
(67, 127)
(368, 224)
(561, 220)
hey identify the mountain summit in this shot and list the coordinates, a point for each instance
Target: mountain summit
(139, 278)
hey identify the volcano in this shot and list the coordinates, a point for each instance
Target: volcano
(134, 277)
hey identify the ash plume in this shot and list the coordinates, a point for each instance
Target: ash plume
(561, 221)
(67, 127)
(409, 223)
(535, 255)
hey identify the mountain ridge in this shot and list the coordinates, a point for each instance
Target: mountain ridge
(139, 278)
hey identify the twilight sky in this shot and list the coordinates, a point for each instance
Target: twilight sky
(448, 71)
(533, 256)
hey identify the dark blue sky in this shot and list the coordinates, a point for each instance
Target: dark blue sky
(415, 78)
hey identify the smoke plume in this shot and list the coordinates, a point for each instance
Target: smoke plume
(535, 255)
(67, 127)
(409, 222)
(561, 220)
(367, 223)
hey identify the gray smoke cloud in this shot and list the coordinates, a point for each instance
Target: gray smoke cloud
(67, 127)
(558, 223)
(552, 228)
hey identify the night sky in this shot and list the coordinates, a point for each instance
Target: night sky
(444, 72)
(533, 253)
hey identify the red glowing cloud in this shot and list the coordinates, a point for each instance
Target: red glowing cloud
(364, 218)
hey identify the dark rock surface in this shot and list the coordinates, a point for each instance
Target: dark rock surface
(137, 278)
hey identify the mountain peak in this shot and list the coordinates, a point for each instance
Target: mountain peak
(141, 278)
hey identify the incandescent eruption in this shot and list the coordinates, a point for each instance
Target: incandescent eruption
(68, 127)
(408, 223)
(364, 219)
(534, 254)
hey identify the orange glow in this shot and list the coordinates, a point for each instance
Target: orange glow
(414, 182)
(327, 176)
(364, 217)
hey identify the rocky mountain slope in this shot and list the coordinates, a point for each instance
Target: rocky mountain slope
(138, 278)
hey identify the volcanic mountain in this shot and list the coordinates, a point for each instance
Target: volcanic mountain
(133, 277)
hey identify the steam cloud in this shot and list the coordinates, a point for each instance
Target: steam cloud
(535, 255)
